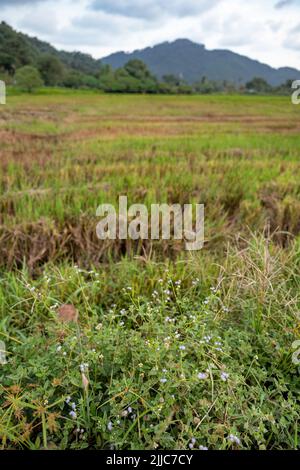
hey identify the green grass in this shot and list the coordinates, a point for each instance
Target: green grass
(152, 317)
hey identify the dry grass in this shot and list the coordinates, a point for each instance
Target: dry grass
(167, 349)
(60, 158)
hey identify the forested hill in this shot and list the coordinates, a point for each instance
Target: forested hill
(18, 49)
(177, 67)
(190, 61)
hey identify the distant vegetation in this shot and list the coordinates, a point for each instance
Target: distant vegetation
(188, 60)
(29, 64)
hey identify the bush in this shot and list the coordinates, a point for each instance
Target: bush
(144, 367)
(51, 69)
(28, 78)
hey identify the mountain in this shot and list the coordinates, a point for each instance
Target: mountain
(18, 49)
(182, 58)
(193, 61)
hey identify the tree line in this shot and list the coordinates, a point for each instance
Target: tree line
(134, 77)
(28, 64)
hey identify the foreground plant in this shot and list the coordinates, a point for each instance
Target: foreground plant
(179, 366)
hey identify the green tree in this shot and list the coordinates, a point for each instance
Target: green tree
(285, 88)
(141, 79)
(28, 78)
(73, 79)
(134, 77)
(175, 84)
(106, 77)
(89, 81)
(137, 69)
(205, 86)
(172, 80)
(6, 62)
(258, 85)
(123, 82)
(51, 69)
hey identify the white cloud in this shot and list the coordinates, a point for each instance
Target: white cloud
(6, 3)
(152, 9)
(283, 3)
(40, 23)
(262, 30)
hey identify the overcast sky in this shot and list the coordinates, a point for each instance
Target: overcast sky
(267, 30)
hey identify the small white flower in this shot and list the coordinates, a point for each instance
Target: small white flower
(110, 426)
(234, 439)
(59, 348)
(224, 376)
(202, 376)
(73, 414)
(182, 348)
(203, 448)
(163, 380)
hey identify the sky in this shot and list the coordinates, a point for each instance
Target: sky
(266, 30)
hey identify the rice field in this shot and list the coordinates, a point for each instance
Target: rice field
(166, 349)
